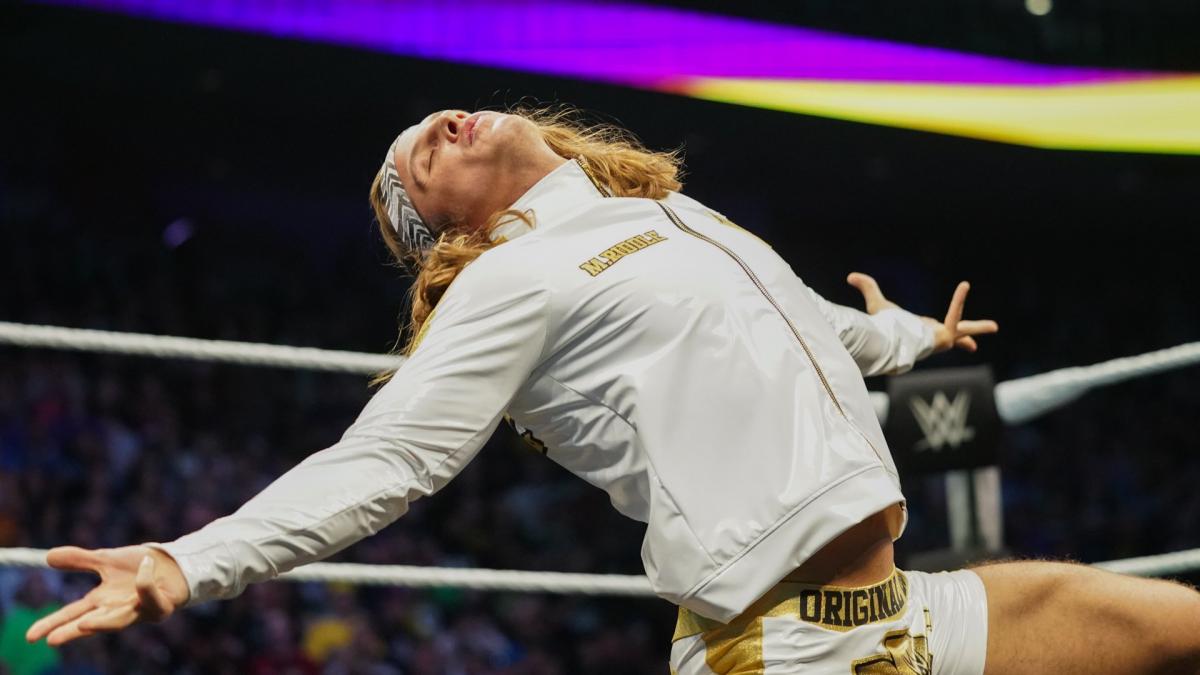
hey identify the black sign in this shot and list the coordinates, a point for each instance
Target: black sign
(941, 420)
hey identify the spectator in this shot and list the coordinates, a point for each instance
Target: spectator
(32, 602)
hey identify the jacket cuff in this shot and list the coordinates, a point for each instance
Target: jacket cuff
(208, 571)
(911, 338)
(928, 334)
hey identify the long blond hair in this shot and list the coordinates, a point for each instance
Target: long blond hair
(616, 158)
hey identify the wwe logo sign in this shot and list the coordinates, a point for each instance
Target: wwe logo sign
(943, 422)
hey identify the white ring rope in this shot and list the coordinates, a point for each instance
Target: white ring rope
(167, 347)
(1025, 398)
(1165, 564)
(425, 577)
(1028, 397)
(1017, 400)
(558, 582)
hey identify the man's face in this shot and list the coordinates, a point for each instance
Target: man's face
(460, 168)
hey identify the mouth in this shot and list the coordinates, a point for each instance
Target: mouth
(470, 126)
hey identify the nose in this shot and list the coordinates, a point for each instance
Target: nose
(452, 121)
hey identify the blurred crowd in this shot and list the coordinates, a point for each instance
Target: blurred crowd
(103, 451)
(96, 452)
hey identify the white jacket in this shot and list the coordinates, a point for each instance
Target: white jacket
(655, 350)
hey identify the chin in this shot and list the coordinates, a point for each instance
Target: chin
(522, 126)
(514, 134)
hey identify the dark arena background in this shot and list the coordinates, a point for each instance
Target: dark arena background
(196, 170)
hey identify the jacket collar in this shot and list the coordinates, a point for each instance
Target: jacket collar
(566, 188)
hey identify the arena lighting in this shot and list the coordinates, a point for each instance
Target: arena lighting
(743, 62)
(1039, 7)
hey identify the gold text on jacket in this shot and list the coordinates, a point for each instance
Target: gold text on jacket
(611, 255)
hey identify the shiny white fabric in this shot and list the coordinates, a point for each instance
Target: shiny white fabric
(669, 379)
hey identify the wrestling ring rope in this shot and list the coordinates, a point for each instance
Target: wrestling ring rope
(1017, 401)
(410, 576)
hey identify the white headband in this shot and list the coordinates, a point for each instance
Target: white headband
(414, 234)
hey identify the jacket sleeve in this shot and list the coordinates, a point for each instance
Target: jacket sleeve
(412, 437)
(889, 342)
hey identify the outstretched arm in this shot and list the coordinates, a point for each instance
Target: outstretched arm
(416, 434)
(887, 340)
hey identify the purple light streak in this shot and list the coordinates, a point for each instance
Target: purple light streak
(628, 44)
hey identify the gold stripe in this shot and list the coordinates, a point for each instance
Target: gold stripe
(720, 218)
(738, 654)
(424, 329)
(736, 647)
(690, 623)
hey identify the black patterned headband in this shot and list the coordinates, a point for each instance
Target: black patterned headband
(414, 234)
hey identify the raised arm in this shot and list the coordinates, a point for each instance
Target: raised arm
(417, 433)
(888, 340)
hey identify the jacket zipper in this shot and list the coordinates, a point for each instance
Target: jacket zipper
(587, 171)
(767, 294)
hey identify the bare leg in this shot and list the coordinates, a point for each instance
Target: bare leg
(1061, 618)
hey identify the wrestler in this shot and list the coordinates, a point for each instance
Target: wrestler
(658, 351)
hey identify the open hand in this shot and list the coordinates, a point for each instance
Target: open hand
(137, 583)
(950, 332)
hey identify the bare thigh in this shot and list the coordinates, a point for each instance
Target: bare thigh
(1062, 618)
